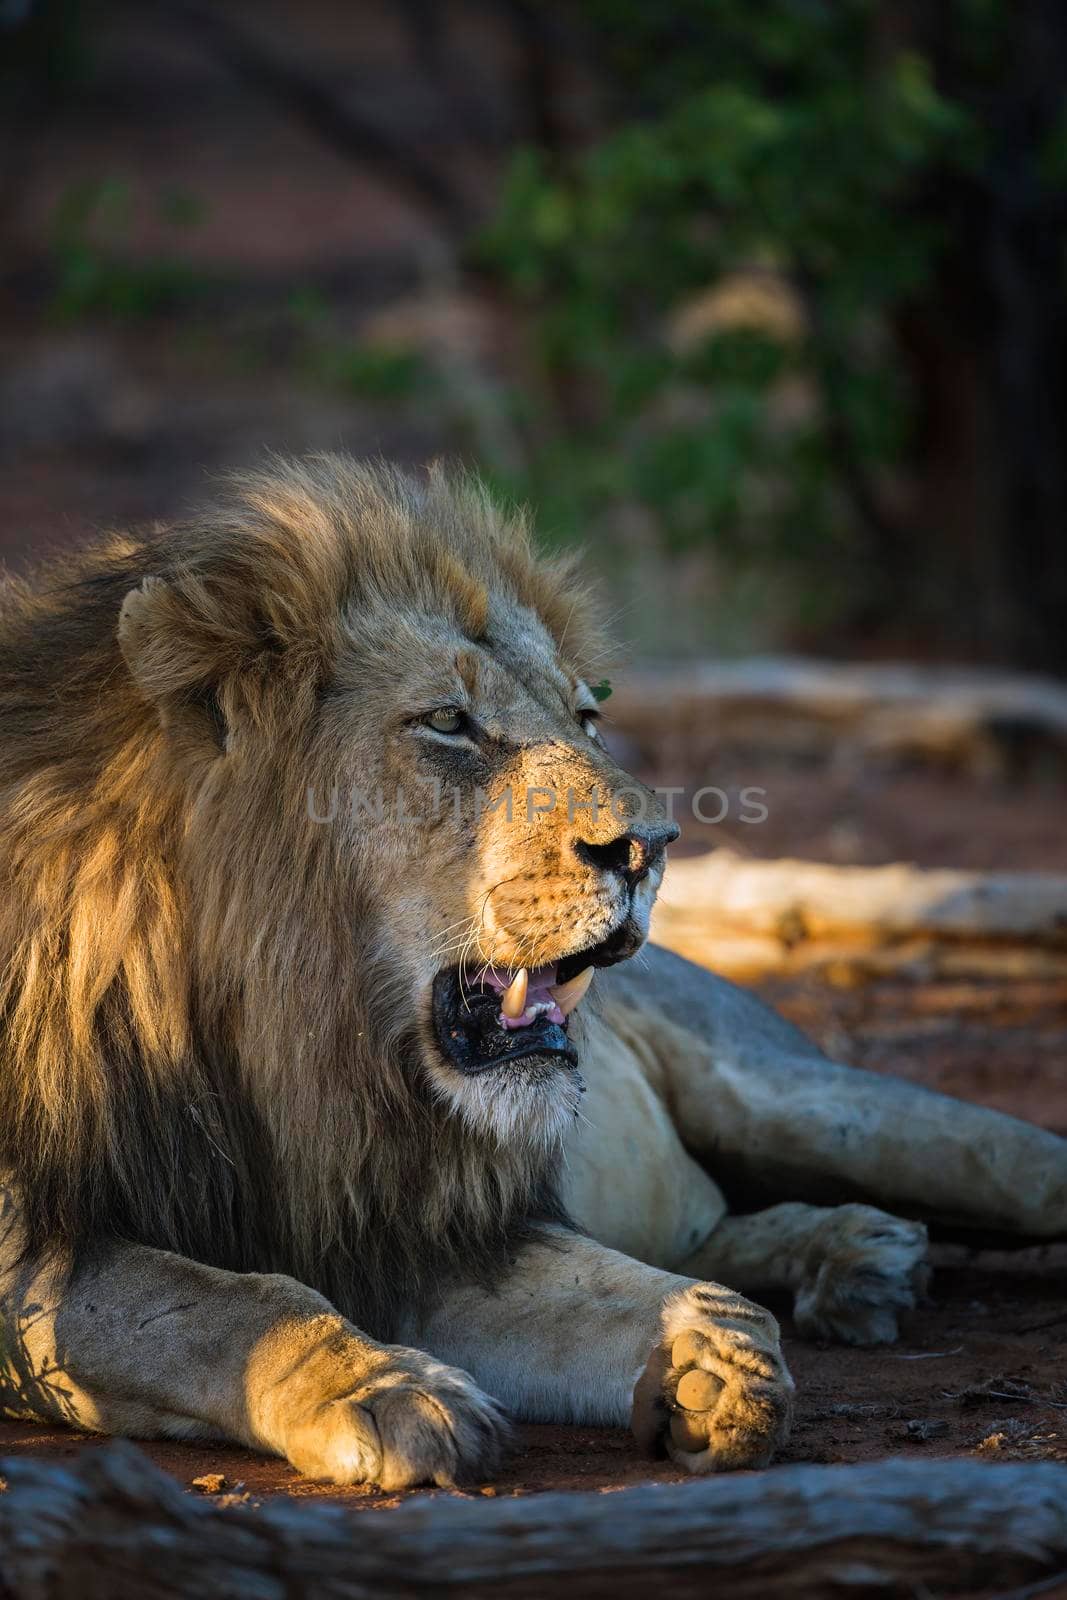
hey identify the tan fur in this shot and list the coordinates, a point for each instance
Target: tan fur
(243, 1180)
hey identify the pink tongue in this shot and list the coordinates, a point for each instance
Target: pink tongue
(538, 998)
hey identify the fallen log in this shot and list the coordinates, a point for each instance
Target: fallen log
(114, 1526)
(973, 720)
(744, 918)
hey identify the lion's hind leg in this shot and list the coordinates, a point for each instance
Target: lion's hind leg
(852, 1269)
(773, 1118)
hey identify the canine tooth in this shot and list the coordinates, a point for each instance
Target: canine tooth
(513, 1000)
(567, 995)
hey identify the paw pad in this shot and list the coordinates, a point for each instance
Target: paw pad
(697, 1393)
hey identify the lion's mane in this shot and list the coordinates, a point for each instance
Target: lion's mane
(275, 1121)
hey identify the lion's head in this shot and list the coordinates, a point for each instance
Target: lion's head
(312, 845)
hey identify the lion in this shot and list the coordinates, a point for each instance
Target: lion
(335, 1118)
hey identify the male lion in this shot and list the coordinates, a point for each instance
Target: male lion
(296, 1034)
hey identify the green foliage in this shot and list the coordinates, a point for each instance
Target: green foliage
(783, 152)
(372, 372)
(95, 270)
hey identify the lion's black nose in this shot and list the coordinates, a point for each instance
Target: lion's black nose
(632, 854)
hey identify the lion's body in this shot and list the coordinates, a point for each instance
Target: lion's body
(249, 1124)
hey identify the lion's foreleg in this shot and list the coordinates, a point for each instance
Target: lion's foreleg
(147, 1343)
(580, 1333)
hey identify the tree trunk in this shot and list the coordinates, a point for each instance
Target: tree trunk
(114, 1526)
(745, 918)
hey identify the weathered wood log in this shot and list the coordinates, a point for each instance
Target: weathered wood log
(748, 917)
(113, 1527)
(971, 719)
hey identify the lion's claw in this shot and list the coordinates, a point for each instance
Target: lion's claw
(413, 1421)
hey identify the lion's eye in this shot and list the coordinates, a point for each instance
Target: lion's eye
(446, 719)
(588, 719)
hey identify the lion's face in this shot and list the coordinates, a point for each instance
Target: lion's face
(347, 645)
(509, 855)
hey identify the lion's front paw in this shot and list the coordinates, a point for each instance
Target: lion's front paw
(863, 1267)
(413, 1420)
(716, 1394)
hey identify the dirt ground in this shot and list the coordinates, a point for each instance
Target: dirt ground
(860, 818)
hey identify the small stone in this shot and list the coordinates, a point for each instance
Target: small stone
(210, 1483)
(488, 1491)
(1007, 1433)
(921, 1429)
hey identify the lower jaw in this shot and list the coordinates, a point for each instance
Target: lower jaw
(472, 1042)
(530, 1061)
(470, 1038)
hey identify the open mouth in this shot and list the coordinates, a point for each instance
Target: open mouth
(496, 1017)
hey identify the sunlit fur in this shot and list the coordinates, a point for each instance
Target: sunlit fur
(207, 1033)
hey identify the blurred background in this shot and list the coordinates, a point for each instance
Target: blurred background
(765, 306)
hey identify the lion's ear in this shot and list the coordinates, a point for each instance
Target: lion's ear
(157, 642)
(173, 649)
